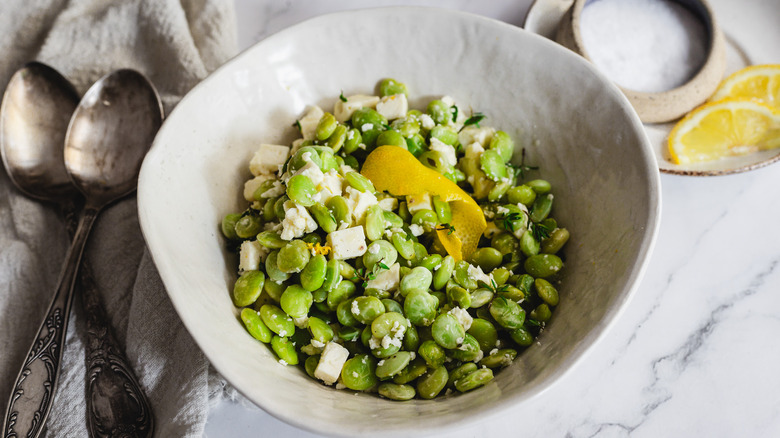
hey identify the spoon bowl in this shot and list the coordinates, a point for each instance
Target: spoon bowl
(110, 133)
(108, 136)
(36, 109)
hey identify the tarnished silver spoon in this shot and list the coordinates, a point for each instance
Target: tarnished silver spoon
(109, 134)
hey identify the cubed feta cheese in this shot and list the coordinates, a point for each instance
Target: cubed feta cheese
(415, 203)
(447, 151)
(388, 204)
(312, 170)
(253, 184)
(386, 279)
(296, 144)
(250, 255)
(267, 159)
(481, 135)
(297, 221)
(309, 121)
(343, 110)
(359, 202)
(331, 361)
(347, 243)
(393, 107)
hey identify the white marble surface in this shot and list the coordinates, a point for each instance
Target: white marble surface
(696, 353)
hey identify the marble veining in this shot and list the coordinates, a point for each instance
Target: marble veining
(694, 354)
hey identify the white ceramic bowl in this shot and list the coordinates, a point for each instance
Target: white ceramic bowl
(574, 123)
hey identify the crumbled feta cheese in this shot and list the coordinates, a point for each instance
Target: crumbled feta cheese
(448, 100)
(393, 107)
(345, 169)
(277, 189)
(388, 340)
(309, 122)
(283, 362)
(366, 127)
(427, 122)
(476, 273)
(331, 361)
(386, 279)
(297, 221)
(447, 151)
(355, 308)
(502, 210)
(463, 317)
(415, 203)
(373, 248)
(343, 110)
(472, 133)
(330, 185)
(416, 229)
(301, 322)
(251, 254)
(317, 344)
(348, 243)
(251, 186)
(374, 343)
(493, 351)
(359, 202)
(267, 159)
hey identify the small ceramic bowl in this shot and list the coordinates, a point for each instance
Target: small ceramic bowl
(573, 122)
(667, 105)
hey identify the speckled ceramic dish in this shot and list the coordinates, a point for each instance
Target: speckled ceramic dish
(572, 121)
(751, 35)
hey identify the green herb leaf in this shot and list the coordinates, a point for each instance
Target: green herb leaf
(474, 120)
(297, 124)
(509, 219)
(540, 231)
(446, 227)
(341, 96)
(521, 168)
(454, 110)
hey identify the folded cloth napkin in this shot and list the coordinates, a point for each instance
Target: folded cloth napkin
(175, 43)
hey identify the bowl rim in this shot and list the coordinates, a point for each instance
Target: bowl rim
(644, 251)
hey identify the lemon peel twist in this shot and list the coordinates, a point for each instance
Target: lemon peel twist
(397, 171)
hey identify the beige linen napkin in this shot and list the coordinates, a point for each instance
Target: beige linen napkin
(176, 43)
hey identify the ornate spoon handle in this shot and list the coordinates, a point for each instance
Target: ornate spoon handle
(116, 404)
(34, 388)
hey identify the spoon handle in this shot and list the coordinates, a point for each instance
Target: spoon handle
(33, 391)
(116, 404)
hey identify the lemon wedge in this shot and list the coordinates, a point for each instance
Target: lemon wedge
(761, 82)
(397, 171)
(728, 127)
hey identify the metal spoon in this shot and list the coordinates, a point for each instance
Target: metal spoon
(35, 112)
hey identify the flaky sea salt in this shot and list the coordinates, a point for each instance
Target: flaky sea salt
(644, 45)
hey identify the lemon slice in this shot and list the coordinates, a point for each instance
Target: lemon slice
(396, 170)
(724, 128)
(760, 82)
